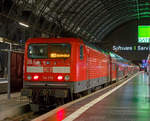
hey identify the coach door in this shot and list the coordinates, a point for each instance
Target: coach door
(117, 72)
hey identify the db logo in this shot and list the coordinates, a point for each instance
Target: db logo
(47, 69)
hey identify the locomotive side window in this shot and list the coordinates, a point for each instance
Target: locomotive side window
(81, 52)
(38, 51)
(114, 67)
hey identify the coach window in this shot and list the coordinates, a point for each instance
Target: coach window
(81, 52)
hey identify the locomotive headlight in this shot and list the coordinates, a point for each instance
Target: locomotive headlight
(35, 77)
(67, 77)
(29, 77)
(60, 77)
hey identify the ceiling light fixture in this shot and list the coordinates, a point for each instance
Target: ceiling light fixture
(22, 24)
(1, 39)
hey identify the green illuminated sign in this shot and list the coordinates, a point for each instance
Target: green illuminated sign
(143, 34)
(131, 48)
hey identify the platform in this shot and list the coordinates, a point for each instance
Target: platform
(3, 85)
(129, 101)
(12, 106)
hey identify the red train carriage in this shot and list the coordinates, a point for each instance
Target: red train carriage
(120, 67)
(113, 67)
(117, 67)
(59, 68)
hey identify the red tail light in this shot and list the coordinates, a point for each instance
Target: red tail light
(36, 77)
(59, 77)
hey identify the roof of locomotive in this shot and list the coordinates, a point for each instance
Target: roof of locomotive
(46, 40)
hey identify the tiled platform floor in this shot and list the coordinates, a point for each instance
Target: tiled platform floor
(12, 106)
(131, 102)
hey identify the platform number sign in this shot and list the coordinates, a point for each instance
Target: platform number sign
(143, 34)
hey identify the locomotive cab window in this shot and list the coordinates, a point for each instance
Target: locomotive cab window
(38, 51)
(43, 51)
(81, 52)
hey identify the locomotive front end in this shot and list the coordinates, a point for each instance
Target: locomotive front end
(47, 69)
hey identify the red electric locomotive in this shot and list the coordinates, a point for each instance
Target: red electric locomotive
(62, 68)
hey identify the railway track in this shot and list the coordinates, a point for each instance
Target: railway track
(25, 116)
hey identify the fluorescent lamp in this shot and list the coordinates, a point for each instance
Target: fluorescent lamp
(7, 42)
(22, 24)
(1, 39)
(15, 44)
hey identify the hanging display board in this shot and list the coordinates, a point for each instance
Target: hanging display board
(143, 34)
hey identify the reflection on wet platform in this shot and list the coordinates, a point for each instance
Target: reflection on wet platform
(131, 102)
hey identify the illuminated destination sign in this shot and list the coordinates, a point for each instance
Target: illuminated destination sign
(131, 48)
(143, 34)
